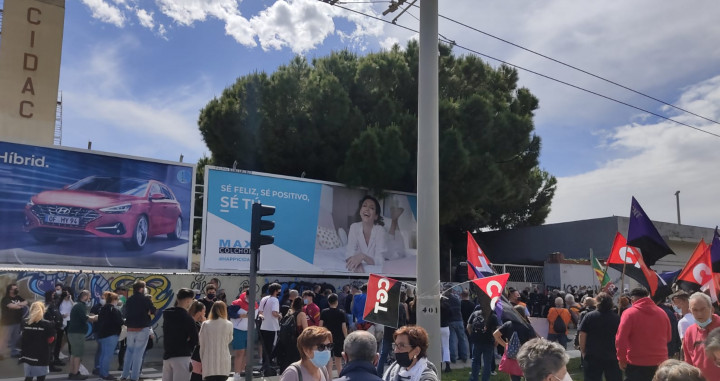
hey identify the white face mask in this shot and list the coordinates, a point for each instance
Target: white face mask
(566, 378)
(102, 302)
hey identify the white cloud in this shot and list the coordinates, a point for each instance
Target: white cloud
(657, 160)
(106, 12)
(145, 18)
(300, 25)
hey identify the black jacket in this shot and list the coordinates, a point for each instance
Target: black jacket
(181, 335)
(359, 371)
(109, 321)
(137, 311)
(35, 343)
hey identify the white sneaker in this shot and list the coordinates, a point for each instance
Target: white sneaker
(62, 356)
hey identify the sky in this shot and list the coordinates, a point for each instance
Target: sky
(135, 74)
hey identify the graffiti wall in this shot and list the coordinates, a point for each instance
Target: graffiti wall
(161, 287)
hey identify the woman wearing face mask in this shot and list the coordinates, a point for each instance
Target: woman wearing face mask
(410, 344)
(543, 360)
(216, 334)
(315, 345)
(109, 325)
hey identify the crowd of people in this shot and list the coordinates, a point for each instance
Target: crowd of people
(320, 335)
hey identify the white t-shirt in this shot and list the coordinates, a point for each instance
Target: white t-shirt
(65, 309)
(685, 323)
(269, 304)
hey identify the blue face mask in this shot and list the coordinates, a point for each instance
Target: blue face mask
(320, 358)
(677, 310)
(306, 301)
(704, 323)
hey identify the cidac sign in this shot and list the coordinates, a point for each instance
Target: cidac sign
(30, 69)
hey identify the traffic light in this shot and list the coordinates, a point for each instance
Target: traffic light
(257, 239)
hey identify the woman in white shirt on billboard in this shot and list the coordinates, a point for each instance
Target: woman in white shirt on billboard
(368, 242)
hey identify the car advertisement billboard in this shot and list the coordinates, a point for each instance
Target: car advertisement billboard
(75, 208)
(321, 228)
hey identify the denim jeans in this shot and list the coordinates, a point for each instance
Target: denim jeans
(106, 348)
(486, 353)
(384, 352)
(10, 339)
(560, 338)
(458, 341)
(136, 343)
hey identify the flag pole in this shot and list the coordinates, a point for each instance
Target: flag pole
(622, 290)
(607, 265)
(592, 268)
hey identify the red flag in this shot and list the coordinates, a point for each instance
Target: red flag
(698, 269)
(630, 258)
(478, 263)
(493, 286)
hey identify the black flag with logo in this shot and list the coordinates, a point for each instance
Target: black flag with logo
(382, 305)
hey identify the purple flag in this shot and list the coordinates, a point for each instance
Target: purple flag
(643, 235)
(715, 252)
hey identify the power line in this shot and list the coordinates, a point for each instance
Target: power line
(578, 69)
(444, 39)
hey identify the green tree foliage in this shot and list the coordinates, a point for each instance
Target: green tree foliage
(353, 120)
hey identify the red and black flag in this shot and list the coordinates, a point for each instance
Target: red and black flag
(477, 261)
(630, 260)
(382, 305)
(643, 235)
(697, 273)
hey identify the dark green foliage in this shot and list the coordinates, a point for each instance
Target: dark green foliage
(353, 120)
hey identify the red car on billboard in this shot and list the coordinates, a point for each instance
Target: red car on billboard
(124, 208)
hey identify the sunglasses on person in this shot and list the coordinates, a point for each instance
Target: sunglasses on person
(322, 347)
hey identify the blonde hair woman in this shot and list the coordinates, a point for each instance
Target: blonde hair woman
(216, 334)
(37, 335)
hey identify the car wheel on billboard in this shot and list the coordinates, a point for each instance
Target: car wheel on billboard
(43, 238)
(140, 235)
(175, 234)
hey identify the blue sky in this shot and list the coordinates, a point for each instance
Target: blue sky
(135, 74)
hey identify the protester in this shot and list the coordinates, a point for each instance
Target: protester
(504, 333)
(138, 311)
(122, 344)
(11, 314)
(597, 341)
(480, 329)
(240, 332)
(314, 345)
(557, 329)
(311, 309)
(180, 339)
(53, 315)
(65, 307)
(216, 334)
(574, 307)
(77, 329)
(642, 337)
(333, 319)
(411, 363)
(359, 353)
(197, 313)
(388, 333)
(209, 298)
(543, 360)
(445, 332)
(458, 340)
(681, 305)
(288, 353)
(37, 335)
(693, 343)
(675, 370)
(712, 346)
(109, 324)
(95, 310)
(467, 308)
(675, 343)
(270, 313)
(285, 307)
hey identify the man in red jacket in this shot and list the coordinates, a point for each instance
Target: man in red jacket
(642, 337)
(694, 339)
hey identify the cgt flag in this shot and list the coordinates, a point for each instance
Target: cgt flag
(478, 263)
(628, 259)
(493, 287)
(643, 235)
(697, 272)
(382, 305)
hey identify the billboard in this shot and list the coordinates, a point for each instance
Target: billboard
(320, 227)
(32, 35)
(71, 208)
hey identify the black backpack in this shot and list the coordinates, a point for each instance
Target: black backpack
(478, 327)
(288, 330)
(559, 325)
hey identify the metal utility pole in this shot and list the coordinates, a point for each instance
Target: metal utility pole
(428, 180)
(677, 198)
